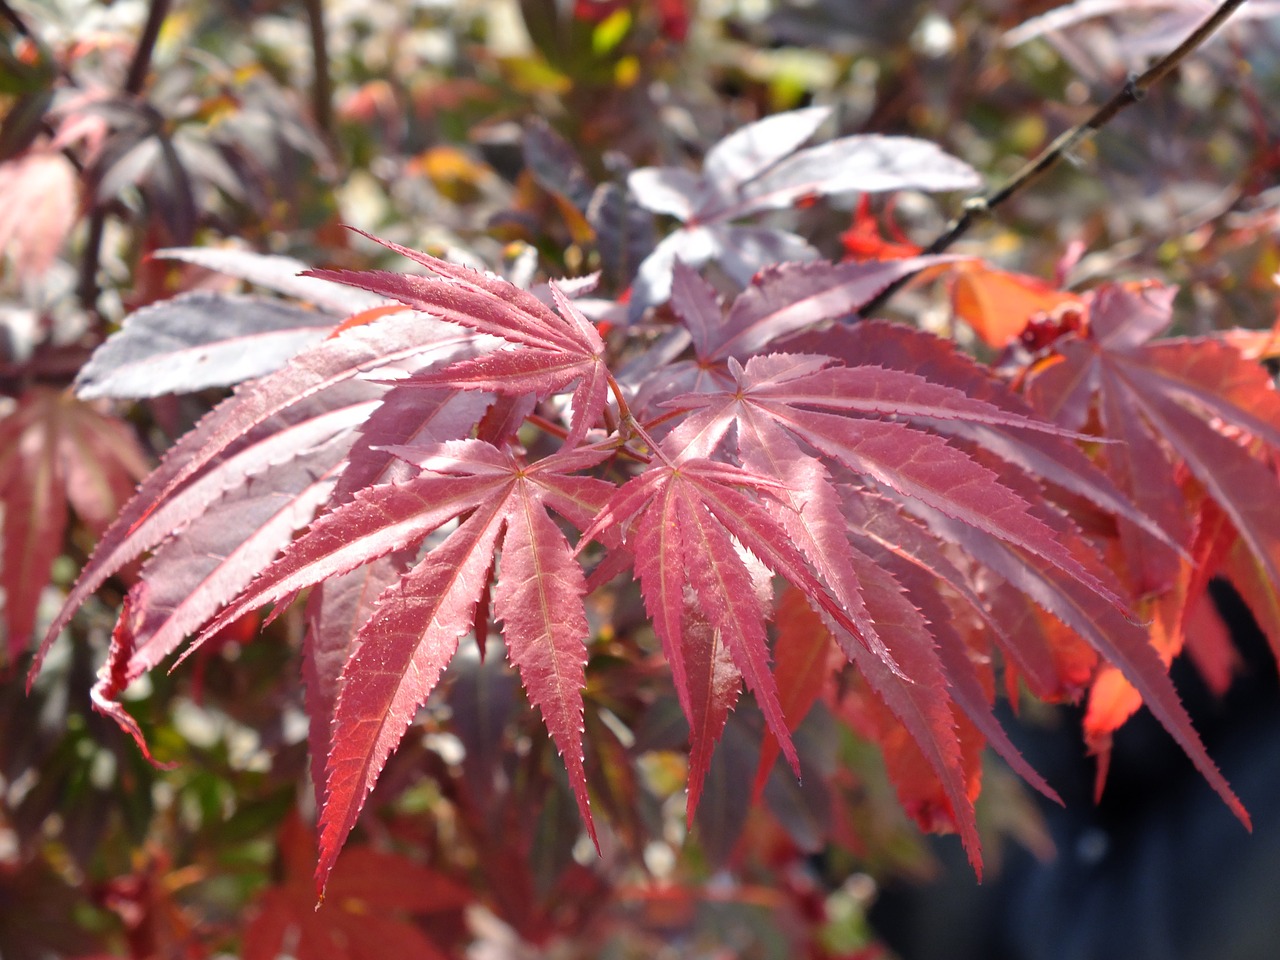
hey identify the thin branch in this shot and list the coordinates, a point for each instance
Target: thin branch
(9, 14)
(1135, 89)
(135, 80)
(141, 64)
(89, 290)
(321, 85)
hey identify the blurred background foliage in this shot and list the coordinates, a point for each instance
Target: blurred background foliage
(500, 132)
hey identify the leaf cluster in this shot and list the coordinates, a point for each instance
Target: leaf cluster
(684, 501)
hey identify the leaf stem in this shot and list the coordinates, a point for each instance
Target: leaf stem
(1135, 89)
(629, 419)
(624, 411)
(546, 426)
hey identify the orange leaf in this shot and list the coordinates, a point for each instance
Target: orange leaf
(453, 172)
(1176, 614)
(920, 791)
(1210, 647)
(998, 304)
(804, 656)
(366, 316)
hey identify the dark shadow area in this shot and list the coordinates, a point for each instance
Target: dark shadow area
(1158, 870)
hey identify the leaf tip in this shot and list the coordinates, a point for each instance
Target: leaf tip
(102, 698)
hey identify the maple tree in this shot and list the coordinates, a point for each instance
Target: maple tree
(716, 506)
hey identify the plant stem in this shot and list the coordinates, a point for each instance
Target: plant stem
(1134, 89)
(321, 85)
(135, 80)
(89, 262)
(15, 21)
(141, 64)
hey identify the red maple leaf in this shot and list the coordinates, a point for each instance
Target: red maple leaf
(367, 913)
(56, 453)
(1198, 423)
(442, 462)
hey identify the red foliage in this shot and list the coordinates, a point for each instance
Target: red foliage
(713, 517)
(894, 485)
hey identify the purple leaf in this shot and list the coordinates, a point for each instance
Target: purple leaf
(199, 340)
(273, 272)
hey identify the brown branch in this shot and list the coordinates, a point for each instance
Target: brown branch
(321, 85)
(141, 64)
(135, 80)
(8, 13)
(1135, 89)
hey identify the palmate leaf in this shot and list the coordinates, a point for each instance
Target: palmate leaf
(199, 340)
(885, 478)
(401, 650)
(760, 168)
(278, 274)
(57, 454)
(783, 300)
(550, 350)
(372, 895)
(282, 415)
(1194, 405)
(796, 296)
(682, 542)
(767, 408)
(1053, 460)
(759, 412)
(911, 462)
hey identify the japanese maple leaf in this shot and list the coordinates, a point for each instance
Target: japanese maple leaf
(758, 168)
(1193, 402)
(548, 350)
(37, 208)
(1183, 404)
(57, 454)
(926, 440)
(288, 415)
(775, 407)
(683, 522)
(998, 304)
(401, 651)
(372, 898)
(781, 301)
(883, 476)
(1179, 18)
(209, 338)
(782, 398)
